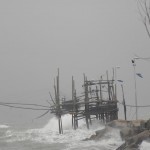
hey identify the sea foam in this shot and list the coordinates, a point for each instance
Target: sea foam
(4, 126)
(145, 145)
(72, 139)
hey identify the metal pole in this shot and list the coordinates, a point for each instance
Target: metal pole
(135, 88)
(133, 62)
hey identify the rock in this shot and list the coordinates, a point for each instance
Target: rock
(93, 137)
(138, 138)
(99, 134)
(147, 124)
(123, 123)
(132, 132)
(126, 132)
(118, 123)
(133, 142)
(129, 132)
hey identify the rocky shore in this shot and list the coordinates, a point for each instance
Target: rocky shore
(131, 132)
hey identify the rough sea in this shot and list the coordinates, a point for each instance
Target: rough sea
(47, 137)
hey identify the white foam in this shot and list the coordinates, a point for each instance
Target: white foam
(73, 139)
(145, 145)
(110, 141)
(4, 126)
(49, 133)
(52, 125)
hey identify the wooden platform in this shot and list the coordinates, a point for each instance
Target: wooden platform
(98, 100)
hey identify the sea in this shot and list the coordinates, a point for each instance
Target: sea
(48, 138)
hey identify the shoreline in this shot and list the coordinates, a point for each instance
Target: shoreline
(133, 133)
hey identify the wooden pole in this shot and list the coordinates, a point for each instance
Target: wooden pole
(108, 85)
(97, 104)
(101, 94)
(73, 102)
(58, 104)
(86, 101)
(124, 103)
(76, 110)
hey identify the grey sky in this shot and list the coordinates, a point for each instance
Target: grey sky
(78, 36)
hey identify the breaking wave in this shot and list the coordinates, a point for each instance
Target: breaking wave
(4, 126)
(72, 139)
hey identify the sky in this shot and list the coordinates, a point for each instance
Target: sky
(76, 36)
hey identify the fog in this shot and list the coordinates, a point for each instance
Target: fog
(76, 36)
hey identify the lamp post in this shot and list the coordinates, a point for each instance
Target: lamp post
(135, 87)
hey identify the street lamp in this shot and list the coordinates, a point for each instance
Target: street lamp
(135, 87)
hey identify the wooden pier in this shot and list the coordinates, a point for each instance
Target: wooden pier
(98, 101)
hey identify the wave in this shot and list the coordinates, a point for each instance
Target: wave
(3, 130)
(4, 126)
(52, 125)
(72, 139)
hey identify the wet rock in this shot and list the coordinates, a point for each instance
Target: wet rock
(132, 143)
(127, 132)
(138, 138)
(93, 137)
(118, 123)
(124, 123)
(147, 124)
(99, 134)
(132, 132)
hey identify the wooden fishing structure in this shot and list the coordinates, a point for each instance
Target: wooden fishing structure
(97, 101)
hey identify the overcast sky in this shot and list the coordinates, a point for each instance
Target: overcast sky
(78, 36)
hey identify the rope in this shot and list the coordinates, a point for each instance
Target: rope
(133, 105)
(24, 104)
(21, 107)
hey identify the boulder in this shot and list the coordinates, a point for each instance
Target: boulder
(127, 132)
(133, 142)
(132, 132)
(147, 124)
(138, 138)
(99, 134)
(124, 123)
